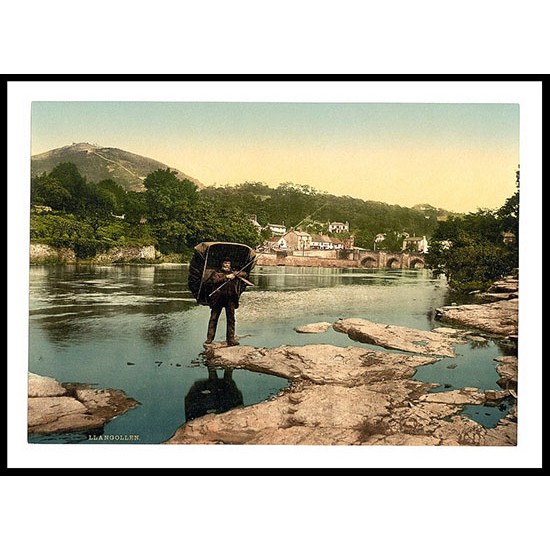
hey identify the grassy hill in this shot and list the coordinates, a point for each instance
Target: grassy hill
(99, 163)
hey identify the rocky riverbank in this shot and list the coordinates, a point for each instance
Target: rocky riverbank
(498, 315)
(354, 396)
(61, 408)
(346, 396)
(45, 254)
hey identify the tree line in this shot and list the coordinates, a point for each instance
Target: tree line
(475, 250)
(174, 215)
(171, 214)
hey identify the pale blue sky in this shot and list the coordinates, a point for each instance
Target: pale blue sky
(457, 156)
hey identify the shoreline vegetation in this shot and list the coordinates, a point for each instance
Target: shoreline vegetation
(101, 222)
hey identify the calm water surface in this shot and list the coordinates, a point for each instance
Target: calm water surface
(138, 328)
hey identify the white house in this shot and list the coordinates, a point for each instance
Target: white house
(418, 244)
(276, 229)
(321, 242)
(508, 237)
(338, 227)
(274, 243)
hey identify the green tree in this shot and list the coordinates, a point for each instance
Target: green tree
(48, 191)
(167, 197)
(135, 207)
(509, 212)
(470, 250)
(68, 176)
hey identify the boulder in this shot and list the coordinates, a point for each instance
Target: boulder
(59, 415)
(506, 285)
(319, 363)
(507, 368)
(62, 408)
(43, 386)
(400, 338)
(500, 318)
(313, 328)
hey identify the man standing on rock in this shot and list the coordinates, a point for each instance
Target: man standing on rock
(225, 285)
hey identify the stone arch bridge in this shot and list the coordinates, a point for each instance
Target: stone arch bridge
(393, 260)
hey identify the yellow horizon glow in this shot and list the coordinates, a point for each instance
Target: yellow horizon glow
(460, 157)
(460, 179)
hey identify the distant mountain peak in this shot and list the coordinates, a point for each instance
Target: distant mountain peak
(97, 163)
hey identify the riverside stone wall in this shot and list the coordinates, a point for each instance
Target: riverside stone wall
(127, 254)
(45, 254)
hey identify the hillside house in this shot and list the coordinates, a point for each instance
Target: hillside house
(276, 229)
(338, 227)
(416, 244)
(275, 243)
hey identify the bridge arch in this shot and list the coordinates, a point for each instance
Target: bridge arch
(369, 261)
(393, 262)
(417, 263)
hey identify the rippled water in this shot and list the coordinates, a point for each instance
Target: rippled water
(138, 328)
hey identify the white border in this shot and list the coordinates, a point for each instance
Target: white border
(527, 454)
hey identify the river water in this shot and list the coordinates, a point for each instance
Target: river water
(138, 329)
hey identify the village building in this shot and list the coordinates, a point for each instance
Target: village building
(297, 240)
(337, 244)
(349, 243)
(321, 242)
(338, 227)
(273, 243)
(418, 244)
(276, 229)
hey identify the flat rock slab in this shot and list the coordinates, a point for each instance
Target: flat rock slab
(319, 363)
(313, 328)
(59, 415)
(499, 317)
(63, 408)
(343, 396)
(507, 285)
(400, 338)
(456, 397)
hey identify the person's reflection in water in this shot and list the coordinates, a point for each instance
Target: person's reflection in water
(213, 395)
